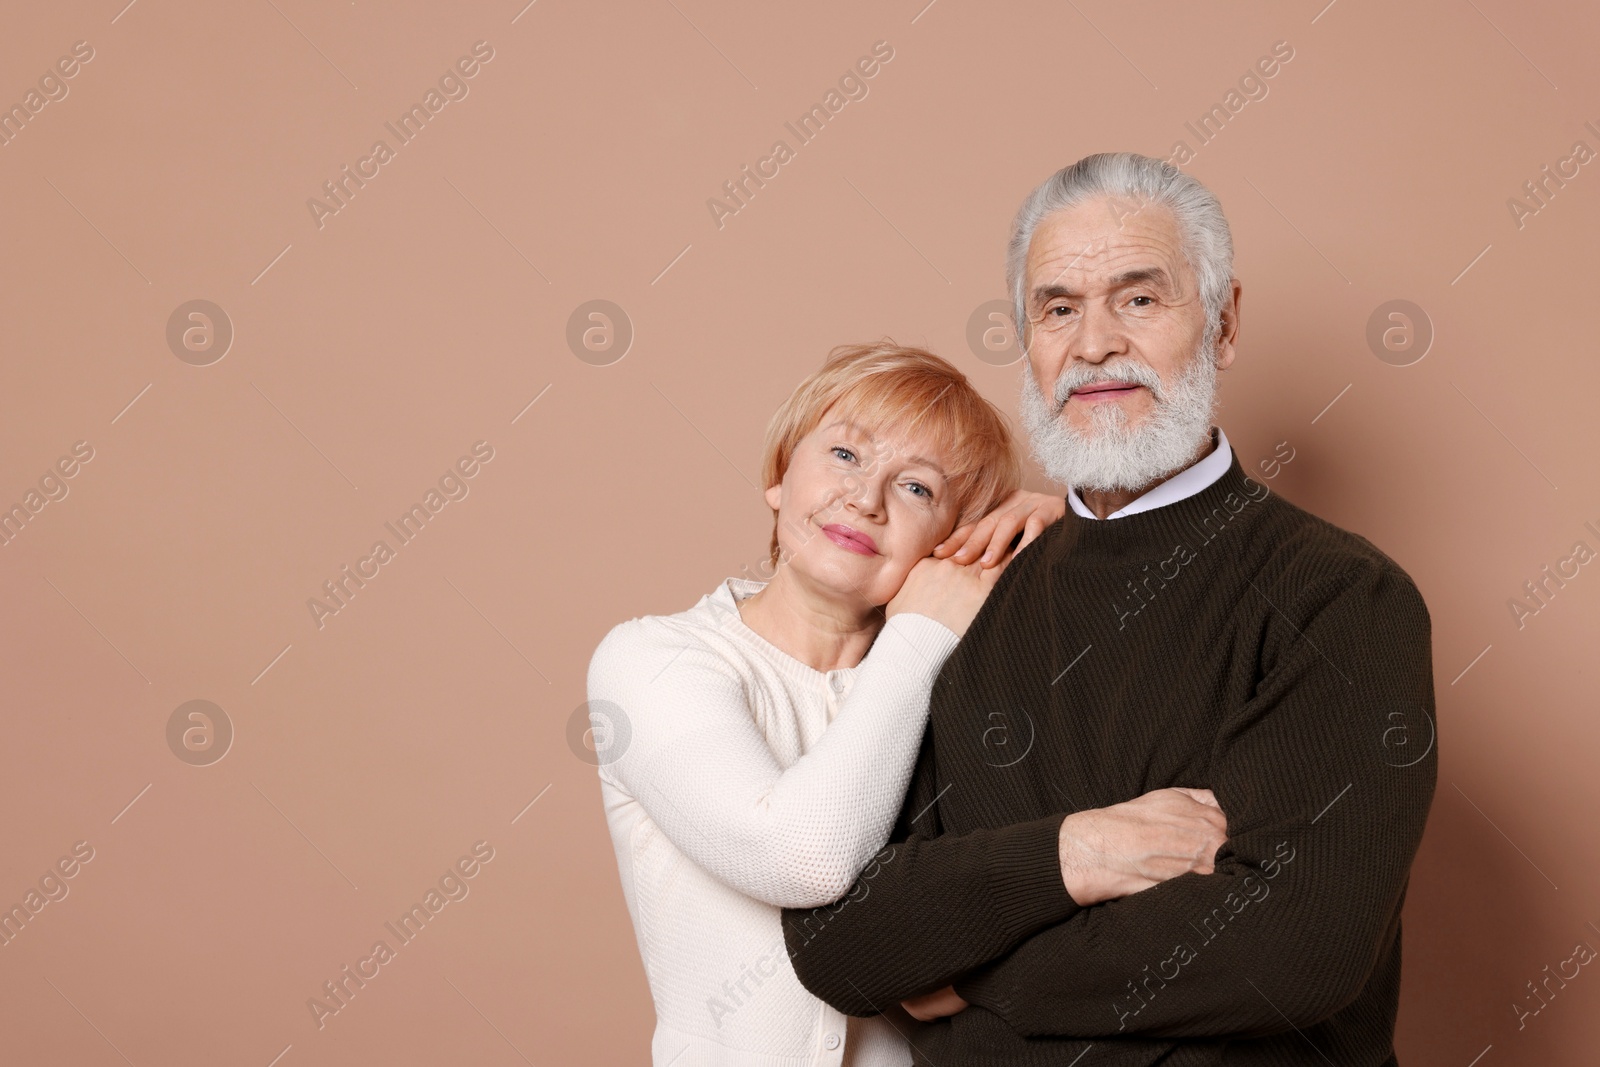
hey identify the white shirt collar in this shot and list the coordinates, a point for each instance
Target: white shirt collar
(1185, 483)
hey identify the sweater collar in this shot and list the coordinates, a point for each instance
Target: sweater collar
(1186, 482)
(725, 598)
(1144, 536)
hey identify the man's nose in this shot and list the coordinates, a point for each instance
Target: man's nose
(1099, 335)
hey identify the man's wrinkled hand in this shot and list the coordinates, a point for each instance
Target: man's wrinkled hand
(1113, 852)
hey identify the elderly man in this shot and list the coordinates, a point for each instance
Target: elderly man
(1181, 627)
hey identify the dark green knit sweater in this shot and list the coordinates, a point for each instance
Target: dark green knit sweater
(1229, 641)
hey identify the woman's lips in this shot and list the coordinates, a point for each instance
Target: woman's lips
(851, 540)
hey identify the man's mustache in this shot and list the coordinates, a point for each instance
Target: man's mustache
(1125, 373)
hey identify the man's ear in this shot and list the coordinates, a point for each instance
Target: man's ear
(1229, 331)
(774, 495)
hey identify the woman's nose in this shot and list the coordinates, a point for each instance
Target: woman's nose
(868, 499)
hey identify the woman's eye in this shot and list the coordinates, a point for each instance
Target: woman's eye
(844, 454)
(919, 489)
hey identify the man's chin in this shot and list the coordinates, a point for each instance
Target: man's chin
(1096, 431)
(1080, 459)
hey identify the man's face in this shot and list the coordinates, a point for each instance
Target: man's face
(1123, 374)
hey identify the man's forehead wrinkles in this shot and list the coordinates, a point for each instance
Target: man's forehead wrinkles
(1076, 249)
(1107, 245)
(1098, 261)
(1084, 249)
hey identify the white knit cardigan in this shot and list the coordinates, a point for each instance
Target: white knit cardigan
(738, 781)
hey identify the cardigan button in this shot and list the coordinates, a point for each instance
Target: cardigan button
(837, 684)
(831, 1041)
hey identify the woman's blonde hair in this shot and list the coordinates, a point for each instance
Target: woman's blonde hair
(890, 389)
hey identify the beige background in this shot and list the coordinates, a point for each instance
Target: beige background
(372, 352)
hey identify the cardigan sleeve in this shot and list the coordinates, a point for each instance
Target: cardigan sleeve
(699, 764)
(930, 906)
(1324, 817)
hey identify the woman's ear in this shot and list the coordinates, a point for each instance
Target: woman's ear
(774, 495)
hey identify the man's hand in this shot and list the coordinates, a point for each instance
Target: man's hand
(1029, 512)
(935, 1005)
(1112, 852)
(1107, 853)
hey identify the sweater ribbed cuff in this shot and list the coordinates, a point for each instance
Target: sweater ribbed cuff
(1024, 867)
(1029, 895)
(930, 640)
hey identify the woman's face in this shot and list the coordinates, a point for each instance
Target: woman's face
(857, 510)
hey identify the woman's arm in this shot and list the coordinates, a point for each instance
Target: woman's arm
(699, 764)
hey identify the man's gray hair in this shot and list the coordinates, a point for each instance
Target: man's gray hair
(1203, 229)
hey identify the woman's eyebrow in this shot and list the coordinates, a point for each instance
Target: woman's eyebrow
(855, 428)
(923, 461)
(847, 426)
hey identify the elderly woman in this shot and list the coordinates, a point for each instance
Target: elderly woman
(772, 727)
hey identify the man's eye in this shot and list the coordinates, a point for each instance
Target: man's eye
(1061, 308)
(1146, 299)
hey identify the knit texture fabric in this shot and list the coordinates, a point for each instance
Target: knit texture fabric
(1229, 641)
(737, 780)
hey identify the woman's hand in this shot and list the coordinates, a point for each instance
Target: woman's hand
(946, 591)
(1029, 512)
(934, 1005)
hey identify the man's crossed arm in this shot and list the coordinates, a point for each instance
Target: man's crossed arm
(1283, 932)
(929, 908)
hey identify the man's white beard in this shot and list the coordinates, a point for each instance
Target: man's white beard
(1111, 455)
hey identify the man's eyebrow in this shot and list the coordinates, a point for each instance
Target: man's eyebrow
(1050, 292)
(1153, 275)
